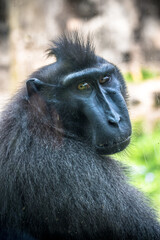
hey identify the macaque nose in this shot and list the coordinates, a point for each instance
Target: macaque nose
(114, 120)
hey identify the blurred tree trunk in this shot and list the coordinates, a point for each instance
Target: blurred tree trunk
(13, 20)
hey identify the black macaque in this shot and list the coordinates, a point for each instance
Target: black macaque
(55, 182)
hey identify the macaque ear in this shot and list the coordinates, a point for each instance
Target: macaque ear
(34, 86)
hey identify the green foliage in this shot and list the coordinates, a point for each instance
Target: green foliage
(144, 159)
(144, 73)
(148, 74)
(128, 77)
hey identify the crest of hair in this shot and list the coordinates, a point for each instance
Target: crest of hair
(73, 48)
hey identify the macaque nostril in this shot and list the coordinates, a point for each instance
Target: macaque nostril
(114, 120)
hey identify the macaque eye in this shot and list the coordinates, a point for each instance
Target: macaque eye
(83, 86)
(104, 79)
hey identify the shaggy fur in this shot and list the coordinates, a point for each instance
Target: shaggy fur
(72, 48)
(54, 187)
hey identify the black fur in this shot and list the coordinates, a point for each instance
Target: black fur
(72, 49)
(53, 183)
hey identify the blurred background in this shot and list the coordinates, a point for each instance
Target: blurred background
(126, 33)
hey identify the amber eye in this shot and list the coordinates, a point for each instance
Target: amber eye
(104, 79)
(83, 86)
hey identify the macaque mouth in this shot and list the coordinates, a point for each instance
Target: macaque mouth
(114, 147)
